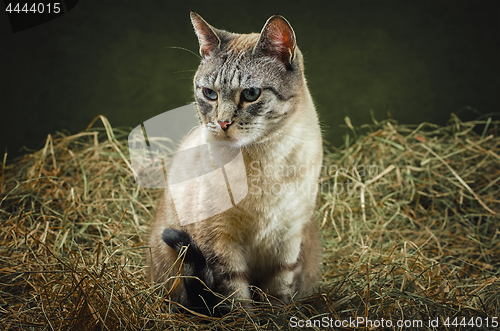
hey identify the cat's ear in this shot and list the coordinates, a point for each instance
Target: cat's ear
(207, 36)
(277, 39)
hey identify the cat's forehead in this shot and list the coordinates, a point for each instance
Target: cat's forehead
(236, 66)
(239, 70)
(243, 42)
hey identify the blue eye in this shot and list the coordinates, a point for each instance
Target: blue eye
(250, 94)
(209, 94)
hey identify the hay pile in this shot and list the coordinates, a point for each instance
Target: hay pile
(409, 214)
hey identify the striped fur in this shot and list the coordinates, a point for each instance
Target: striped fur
(269, 239)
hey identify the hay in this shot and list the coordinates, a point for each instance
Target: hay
(413, 235)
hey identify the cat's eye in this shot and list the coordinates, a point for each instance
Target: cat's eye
(209, 94)
(250, 94)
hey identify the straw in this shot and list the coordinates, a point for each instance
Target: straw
(412, 236)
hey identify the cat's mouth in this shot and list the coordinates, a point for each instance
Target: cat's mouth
(233, 134)
(215, 132)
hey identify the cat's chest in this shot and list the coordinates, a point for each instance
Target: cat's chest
(278, 200)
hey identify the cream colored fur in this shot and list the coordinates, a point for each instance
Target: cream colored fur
(270, 237)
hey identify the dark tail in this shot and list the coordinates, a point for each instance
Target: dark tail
(198, 297)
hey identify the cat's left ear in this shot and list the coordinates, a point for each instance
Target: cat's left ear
(277, 39)
(207, 36)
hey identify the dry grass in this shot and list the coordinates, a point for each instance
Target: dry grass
(414, 234)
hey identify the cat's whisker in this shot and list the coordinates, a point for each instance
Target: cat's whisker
(181, 71)
(184, 49)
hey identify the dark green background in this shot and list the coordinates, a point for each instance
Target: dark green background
(419, 60)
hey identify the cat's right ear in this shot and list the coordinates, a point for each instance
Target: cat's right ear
(207, 37)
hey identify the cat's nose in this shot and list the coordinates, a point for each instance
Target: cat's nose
(224, 125)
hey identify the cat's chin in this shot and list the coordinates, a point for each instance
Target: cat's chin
(241, 142)
(232, 142)
(236, 142)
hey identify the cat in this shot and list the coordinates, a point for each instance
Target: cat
(251, 93)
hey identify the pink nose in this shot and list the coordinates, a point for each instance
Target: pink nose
(224, 125)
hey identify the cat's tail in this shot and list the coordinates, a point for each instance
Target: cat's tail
(197, 296)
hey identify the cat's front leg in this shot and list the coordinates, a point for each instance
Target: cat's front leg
(281, 285)
(231, 271)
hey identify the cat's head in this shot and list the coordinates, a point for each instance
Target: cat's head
(247, 84)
